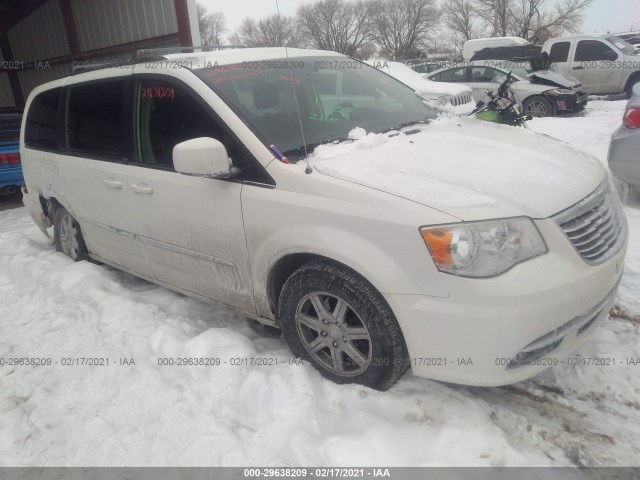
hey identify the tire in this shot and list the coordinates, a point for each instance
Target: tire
(67, 236)
(336, 320)
(537, 106)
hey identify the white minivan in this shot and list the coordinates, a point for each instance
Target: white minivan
(377, 236)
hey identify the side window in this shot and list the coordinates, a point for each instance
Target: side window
(593, 50)
(167, 114)
(453, 75)
(94, 119)
(560, 51)
(41, 129)
(483, 54)
(484, 74)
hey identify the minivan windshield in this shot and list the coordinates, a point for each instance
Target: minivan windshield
(333, 95)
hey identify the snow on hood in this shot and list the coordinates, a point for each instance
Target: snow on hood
(554, 79)
(416, 81)
(466, 168)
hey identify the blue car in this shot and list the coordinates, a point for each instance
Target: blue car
(11, 178)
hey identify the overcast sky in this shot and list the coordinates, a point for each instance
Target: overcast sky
(602, 16)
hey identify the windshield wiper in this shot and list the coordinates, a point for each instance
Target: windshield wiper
(299, 152)
(403, 125)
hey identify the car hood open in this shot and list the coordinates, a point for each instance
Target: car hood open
(467, 168)
(554, 79)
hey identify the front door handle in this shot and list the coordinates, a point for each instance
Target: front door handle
(142, 188)
(111, 183)
(578, 68)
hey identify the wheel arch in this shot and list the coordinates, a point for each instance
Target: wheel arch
(633, 79)
(285, 266)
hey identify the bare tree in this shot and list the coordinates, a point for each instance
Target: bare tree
(212, 26)
(461, 19)
(531, 19)
(496, 14)
(274, 31)
(403, 26)
(532, 22)
(339, 25)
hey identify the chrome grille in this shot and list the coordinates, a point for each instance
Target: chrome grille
(461, 99)
(595, 226)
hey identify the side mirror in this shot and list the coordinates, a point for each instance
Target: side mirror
(610, 55)
(203, 157)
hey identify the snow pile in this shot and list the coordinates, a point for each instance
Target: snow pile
(286, 414)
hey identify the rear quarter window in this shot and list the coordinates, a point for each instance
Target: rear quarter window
(41, 126)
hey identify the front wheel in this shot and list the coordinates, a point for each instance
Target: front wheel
(537, 107)
(336, 320)
(67, 236)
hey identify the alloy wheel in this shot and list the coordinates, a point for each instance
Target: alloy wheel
(333, 333)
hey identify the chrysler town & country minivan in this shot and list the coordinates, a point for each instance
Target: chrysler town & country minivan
(378, 236)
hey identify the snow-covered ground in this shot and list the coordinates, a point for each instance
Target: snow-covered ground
(285, 414)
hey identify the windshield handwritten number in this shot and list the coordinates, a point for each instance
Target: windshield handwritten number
(158, 92)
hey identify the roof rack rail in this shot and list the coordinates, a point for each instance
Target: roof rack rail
(79, 67)
(156, 53)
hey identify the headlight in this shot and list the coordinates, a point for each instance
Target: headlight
(438, 99)
(483, 249)
(559, 91)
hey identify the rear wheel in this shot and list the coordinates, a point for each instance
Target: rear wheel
(337, 321)
(67, 236)
(537, 106)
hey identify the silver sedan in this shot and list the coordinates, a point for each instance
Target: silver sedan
(624, 148)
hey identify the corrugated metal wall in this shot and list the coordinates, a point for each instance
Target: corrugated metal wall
(41, 35)
(6, 97)
(103, 23)
(99, 24)
(29, 79)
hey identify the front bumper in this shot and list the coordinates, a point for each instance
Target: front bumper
(508, 328)
(567, 104)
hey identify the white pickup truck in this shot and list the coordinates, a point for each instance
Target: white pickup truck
(603, 63)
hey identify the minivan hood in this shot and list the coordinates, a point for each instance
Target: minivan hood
(467, 168)
(554, 79)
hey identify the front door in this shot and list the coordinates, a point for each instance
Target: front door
(482, 79)
(594, 64)
(190, 227)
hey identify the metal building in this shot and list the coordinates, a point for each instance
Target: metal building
(41, 40)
